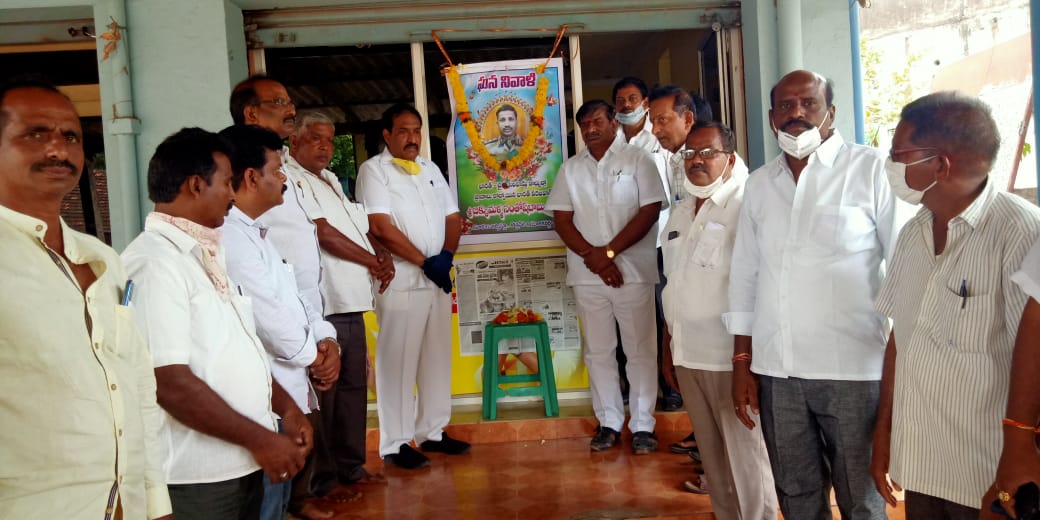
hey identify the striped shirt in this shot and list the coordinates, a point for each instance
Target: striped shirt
(955, 317)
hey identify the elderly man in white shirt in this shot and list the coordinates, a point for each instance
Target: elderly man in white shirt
(213, 375)
(605, 203)
(698, 247)
(955, 311)
(412, 211)
(352, 261)
(816, 226)
(299, 341)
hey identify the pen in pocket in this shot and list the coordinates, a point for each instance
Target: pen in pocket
(964, 293)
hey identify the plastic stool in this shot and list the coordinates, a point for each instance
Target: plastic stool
(539, 332)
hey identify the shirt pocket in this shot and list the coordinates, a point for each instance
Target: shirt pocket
(244, 308)
(126, 336)
(623, 191)
(840, 231)
(708, 252)
(964, 324)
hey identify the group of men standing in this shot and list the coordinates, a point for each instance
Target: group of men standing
(223, 374)
(780, 286)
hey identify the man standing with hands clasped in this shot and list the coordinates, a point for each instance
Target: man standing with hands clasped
(412, 212)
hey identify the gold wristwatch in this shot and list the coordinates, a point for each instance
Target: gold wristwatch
(610, 252)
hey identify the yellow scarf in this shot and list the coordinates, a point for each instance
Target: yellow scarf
(409, 167)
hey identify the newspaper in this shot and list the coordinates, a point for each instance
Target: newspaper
(486, 286)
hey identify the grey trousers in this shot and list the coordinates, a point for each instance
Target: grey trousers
(926, 507)
(235, 499)
(735, 458)
(819, 434)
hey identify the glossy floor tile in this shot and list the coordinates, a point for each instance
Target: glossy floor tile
(534, 480)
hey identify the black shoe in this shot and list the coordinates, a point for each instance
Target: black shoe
(407, 458)
(682, 446)
(644, 443)
(446, 445)
(605, 439)
(672, 402)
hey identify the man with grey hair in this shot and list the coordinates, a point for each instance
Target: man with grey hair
(351, 260)
(816, 225)
(955, 313)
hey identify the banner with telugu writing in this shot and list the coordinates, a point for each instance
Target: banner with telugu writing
(506, 204)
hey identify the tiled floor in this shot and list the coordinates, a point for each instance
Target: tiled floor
(556, 478)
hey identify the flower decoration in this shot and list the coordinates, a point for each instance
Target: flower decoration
(532, 151)
(517, 315)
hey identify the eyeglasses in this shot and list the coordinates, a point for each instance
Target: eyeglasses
(279, 102)
(893, 152)
(703, 153)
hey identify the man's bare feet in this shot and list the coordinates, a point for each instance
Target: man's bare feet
(311, 511)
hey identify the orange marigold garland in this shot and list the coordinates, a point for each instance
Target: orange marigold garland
(515, 167)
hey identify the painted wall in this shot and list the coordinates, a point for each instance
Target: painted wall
(184, 57)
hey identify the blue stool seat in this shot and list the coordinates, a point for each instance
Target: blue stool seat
(545, 377)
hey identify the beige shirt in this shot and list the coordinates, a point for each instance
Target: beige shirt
(954, 348)
(77, 401)
(697, 252)
(345, 286)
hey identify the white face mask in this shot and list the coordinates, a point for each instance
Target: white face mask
(897, 178)
(703, 192)
(632, 117)
(802, 145)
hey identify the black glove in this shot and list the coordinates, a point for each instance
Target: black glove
(438, 269)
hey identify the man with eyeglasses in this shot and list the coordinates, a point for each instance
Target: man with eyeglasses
(816, 226)
(698, 246)
(955, 312)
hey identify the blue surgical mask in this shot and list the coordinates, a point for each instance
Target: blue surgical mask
(632, 117)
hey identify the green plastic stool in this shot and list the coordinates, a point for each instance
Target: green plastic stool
(545, 377)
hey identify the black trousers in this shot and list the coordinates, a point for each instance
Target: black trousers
(344, 407)
(235, 499)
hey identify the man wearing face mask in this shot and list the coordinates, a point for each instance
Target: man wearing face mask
(412, 212)
(954, 308)
(816, 225)
(698, 246)
(632, 109)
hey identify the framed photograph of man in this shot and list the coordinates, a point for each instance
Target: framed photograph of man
(506, 143)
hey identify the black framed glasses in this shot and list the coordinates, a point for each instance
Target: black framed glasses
(703, 153)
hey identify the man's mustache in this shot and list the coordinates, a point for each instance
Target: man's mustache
(411, 145)
(40, 166)
(797, 122)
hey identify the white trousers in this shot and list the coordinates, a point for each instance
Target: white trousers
(632, 305)
(413, 366)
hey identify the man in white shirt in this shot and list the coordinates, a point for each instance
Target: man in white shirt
(351, 259)
(955, 312)
(698, 247)
(605, 202)
(632, 107)
(77, 391)
(289, 329)
(212, 372)
(412, 211)
(816, 224)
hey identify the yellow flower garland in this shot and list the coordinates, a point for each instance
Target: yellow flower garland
(537, 120)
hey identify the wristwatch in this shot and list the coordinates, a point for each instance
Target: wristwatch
(610, 252)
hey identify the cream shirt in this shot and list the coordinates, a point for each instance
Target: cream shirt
(77, 401)
(186, 323)
(807, 265)
(417, 205)
(604, 196)
(697, 252)
(345, 286)
(953, 357)
(292, 230)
